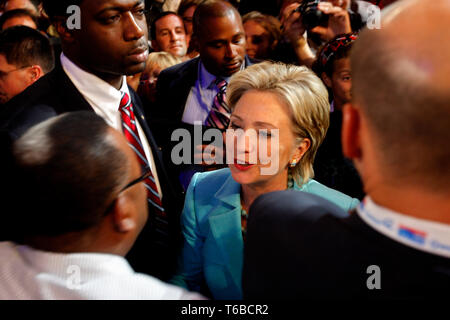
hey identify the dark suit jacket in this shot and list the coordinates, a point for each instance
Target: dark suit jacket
(296, 249)
(54, 94)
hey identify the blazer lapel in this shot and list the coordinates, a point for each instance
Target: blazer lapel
(71, 98)
(225, 226)
(185, 81)
(156, 151)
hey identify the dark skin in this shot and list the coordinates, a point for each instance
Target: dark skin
(222, 44)
(112, 40)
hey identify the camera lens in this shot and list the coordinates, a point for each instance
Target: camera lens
(311, 15)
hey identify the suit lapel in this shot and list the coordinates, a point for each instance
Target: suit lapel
(156, 151)
(225, 226)
(71, 99)
(185, 81)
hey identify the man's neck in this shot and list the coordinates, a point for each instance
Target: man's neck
(413, 201)
(112, 79)
(98, 239)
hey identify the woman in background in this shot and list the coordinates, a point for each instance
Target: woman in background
(262, 33)
(156, 62)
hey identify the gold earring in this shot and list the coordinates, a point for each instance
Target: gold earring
(293, 163)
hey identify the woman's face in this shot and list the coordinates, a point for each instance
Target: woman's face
(272, 146)
(257, 38)
(341, 81)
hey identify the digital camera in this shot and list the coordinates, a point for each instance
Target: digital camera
(311, 15)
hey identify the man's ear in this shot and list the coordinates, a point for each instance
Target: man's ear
(351, 143)
(34, 73)
(122, 213)
(326, 79)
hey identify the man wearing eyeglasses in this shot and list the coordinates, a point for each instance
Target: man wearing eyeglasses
(76, 251)
(25, 56)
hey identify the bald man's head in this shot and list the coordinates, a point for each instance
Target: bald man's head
(401, 83)
(211, 9)
(219, 37)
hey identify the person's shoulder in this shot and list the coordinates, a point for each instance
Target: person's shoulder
(342, 200)
(7, 249)
(180, 68)
(211, 179)
(176, 79)
(294, 205)
(39, 92)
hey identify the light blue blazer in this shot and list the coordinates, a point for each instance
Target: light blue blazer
(211, 226)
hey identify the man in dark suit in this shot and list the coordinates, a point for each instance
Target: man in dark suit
(186, 92)
(110, 43)
(397, 243)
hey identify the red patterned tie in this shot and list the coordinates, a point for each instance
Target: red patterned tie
(219, 116)
(131, 133)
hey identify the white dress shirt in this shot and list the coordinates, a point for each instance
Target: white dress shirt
(27, 273)
(105, 100)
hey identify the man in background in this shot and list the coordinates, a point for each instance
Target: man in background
(186, 93)
(30, 5)
(17, 17)
(25, 56)
(168, 34)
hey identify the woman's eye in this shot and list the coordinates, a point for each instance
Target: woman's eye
(234, 126)
(265, 133)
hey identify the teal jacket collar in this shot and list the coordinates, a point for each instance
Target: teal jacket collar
(225, 224)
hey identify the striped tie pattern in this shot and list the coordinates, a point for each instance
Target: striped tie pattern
(131, 133)
(219, 116)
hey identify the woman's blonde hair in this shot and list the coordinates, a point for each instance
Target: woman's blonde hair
(162, 59)
(302, 92)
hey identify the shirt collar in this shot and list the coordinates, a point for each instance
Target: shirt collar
(424, 235)
(95, 90)
(207, 79)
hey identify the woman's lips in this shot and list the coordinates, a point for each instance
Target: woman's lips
(243, 166)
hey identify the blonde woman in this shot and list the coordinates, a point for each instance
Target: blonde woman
(288, 108)
(156, 62)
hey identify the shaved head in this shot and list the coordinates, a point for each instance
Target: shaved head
(211, 9)
(401, 84)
